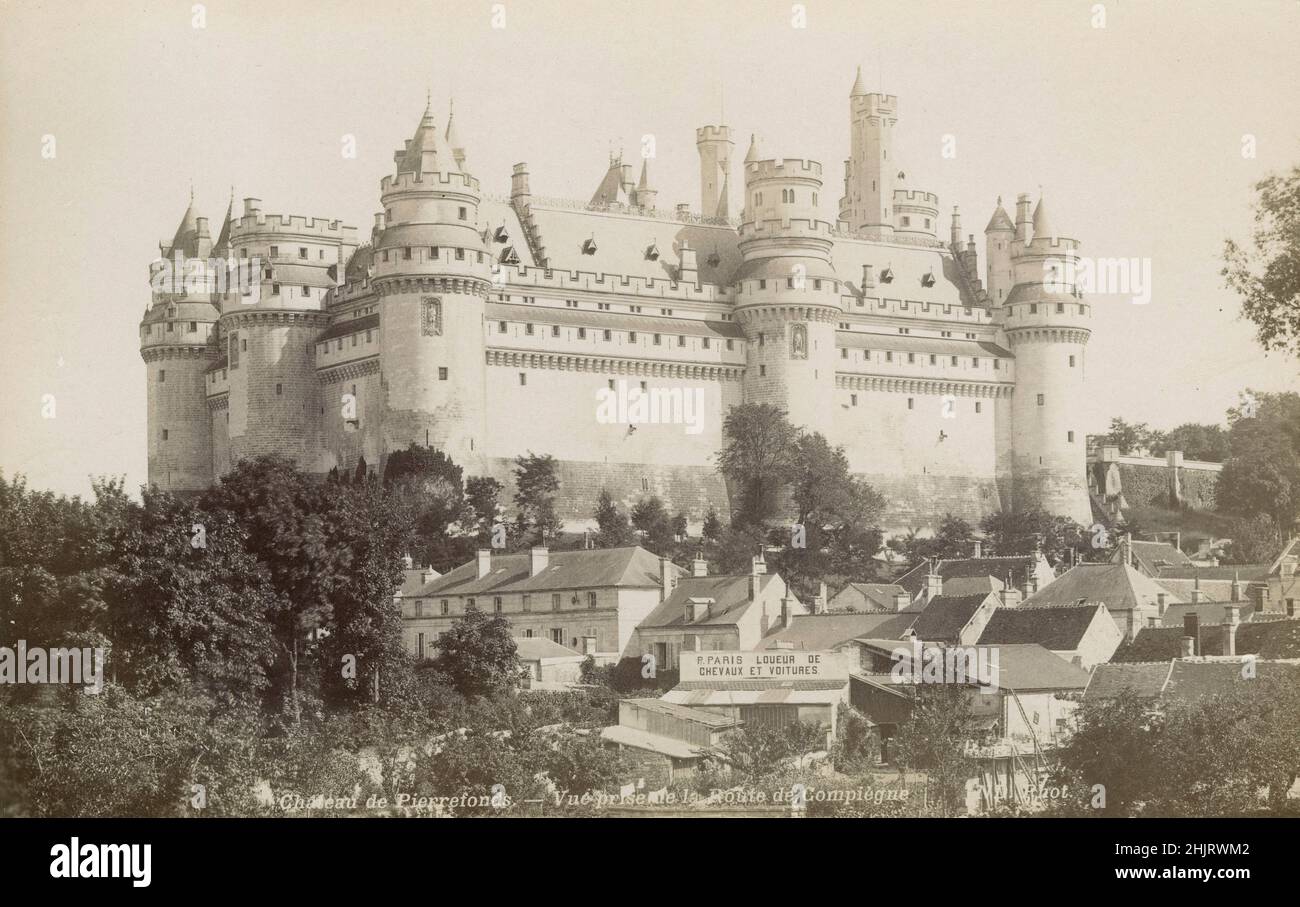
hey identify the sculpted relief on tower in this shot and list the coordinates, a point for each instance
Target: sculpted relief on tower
(798, 341)
(431, 316)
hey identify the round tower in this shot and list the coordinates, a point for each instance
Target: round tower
(174, 343)
(714, 145)
(1047, 325)
(870, 172)
(433, 274)
(787, 292)
(999, 236)
(273, 310)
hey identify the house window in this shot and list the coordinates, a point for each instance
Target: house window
(911, 357)
(954, 360)
(460, 254)
(496, 604)
(419, 608)
(528, 329)
(762, 370)
(659, 339)
(279, 390)
(275, 250)
(853, 399)
(582, 333)
(446, 607)
(1041, 399)
(406, 253)
(681, 340)
(557, 635)
(469, 603)
(731, 344)
(420, 642)
(555, 601)
(606, 335)
(591, 599)
(275, 289)
(528, 602)
(442, 373)
(501, 327)
(555, 330)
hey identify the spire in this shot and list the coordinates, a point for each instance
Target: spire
(187, 233)
(452, 138)
(426, 139)
(752, 155)
(223, 240)
(1000, 220)
(858, 88)
(1042, 226)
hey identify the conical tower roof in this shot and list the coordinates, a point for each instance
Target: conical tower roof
(1000, 220)
(453, 140)
(186, 240)
(426, 138)
(752, 154)
(859, 89)
(644, 182)
(223, 239)
(1042, 225)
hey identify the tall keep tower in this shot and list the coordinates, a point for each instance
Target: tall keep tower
(714, 144)
(869, 173)
(787, 292)
(432, 273)
(174, 334)
(1047, 324)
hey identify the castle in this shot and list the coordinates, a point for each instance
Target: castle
(490, 326)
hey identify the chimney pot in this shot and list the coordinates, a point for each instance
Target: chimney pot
(484, 562)
(901, 601)
(538, 558)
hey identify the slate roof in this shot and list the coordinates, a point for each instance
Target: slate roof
(879, 594)
(1145, 679)
(1059, 629)
(632, 567)
(1154, 556)
(1026, 667)
(535, 648)
(1246, 572)
(645, 324)
(730, 596)
(1207, 612)
(1019, 566)
(1273, 639)
(345, 326)
(938, 345)
(1119, 587)
(945, 616)
(819, 632)
(1190, 681)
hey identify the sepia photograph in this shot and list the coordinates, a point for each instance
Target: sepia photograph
(559, 409)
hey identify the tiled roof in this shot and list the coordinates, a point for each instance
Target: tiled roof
(584, 569)
(1033, 667)
(712, 719)
(1193, 680)
(818, 632)
(879, 594)
(1118, 586)
(1154, 556)
(1273, 639)
(1059, 629)
(1246, 572)
(1206, 612)
(730, 596)
(347, 326)
(646, 324)
(945, 616)
(1018, 566)
(535, 648)
(1147, 679)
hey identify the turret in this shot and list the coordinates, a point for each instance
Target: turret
(1047, 324)
(787, 292)
(646, 195)
(432, 272)
(870, 172)
(176, 345)
(999, 236)
(714, 145)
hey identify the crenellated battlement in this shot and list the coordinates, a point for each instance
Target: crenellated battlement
(875, 105)
(916, 198)
(713, 134)
(782, 169)
(334, 230)
(429, 182)
(786, 227)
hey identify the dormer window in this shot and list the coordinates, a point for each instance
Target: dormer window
(500, 234)
(927, 279)
(652, 252)
(887, 275)
(713, 260)
(589, 246)
(509, 256)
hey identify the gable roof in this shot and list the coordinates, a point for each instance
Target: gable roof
(1153, 557)
(632, 567)
(1019, 566)
(1273, 639)
(685, 713)
(1206, 612)
(1060, 629)
(1119, 587)
(818, 632)
(535, 648)
(1023, 667)
(1145, 679)
(1193, 680)
(730, 596)
(881, 595)
(945, 616)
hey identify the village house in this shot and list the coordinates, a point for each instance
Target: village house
(666, 743)
(1083, 635)
(1130, 596)
(971, 575)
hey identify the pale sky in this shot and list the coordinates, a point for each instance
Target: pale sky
(1134, 131)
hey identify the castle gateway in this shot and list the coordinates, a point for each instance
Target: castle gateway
(488, 326)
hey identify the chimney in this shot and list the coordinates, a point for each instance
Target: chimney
(979, 549)
(699, 567)
(1022, 218)
(819, 603)
(538, 557)
(1031, 584)
(757, 569)
(1010, 596)
(868, 276)
(1237, 587)
(252, 207)
(519, 189)
(667, 579)
(1152, 623)
(1189, 647)
(484, 562)
(1196, 591)
(901, 601)
(933, 585)
(1192, 628)
(1232, 617)
(1126, 550)
(428, 575)
(407, 562)
(787, 614)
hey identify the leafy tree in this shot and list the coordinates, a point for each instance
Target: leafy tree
(1254, 541)
(428, 483)
(757, 751)
(1130, 437)
(361, 473)
(758, 458)
(477, 655)
(1266, 275)
(483, 497)
(1197, 442)
(1263, 473)
(712, 528)
(936, 740)
(613, 529)
(1020, 532)
(650, 518)
(536, 482)
(680, 525)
